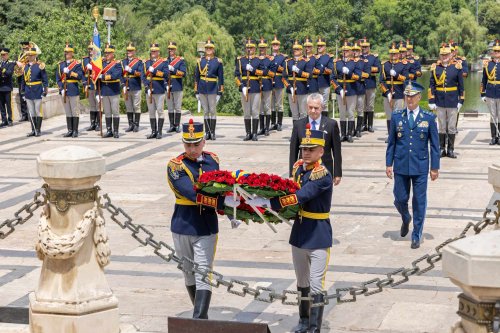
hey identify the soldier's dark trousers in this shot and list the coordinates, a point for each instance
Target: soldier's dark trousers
(6, 106)
(402, 185)
(24, 105)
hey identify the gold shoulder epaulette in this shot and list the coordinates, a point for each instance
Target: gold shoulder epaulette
(238, 57)
(404, 61)
(270, 57)
(383, 62)
(318, 172)
(298, 163)
(411, 61)
(365, 60)
(176, 163)
(416, 57)
(375, 55)
(219, 60)
(41, 65)
(433, 66)
(458, 64)
(213, 155)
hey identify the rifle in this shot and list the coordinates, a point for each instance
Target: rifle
(294, 75)
(248, 76)
(151, 86)
(100, 104)
(344, 84)
(391, 103)
(65, 88)
(169, 82)
(88, 84)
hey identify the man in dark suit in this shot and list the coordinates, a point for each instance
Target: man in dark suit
(332, 137)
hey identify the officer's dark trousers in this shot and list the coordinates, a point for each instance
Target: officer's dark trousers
(402, 184)
(6, 106)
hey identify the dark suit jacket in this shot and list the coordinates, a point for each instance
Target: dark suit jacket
(332, 144)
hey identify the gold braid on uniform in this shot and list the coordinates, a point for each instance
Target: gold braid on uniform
(214, 156)
(176, 164)
(491, 75)
(318, 172)
(296, 167)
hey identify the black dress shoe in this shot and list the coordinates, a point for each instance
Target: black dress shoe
(404, 229)
(415, 244)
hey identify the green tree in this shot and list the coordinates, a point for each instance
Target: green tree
(489, 17)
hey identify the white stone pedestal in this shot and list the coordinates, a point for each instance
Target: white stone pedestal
(72, 294)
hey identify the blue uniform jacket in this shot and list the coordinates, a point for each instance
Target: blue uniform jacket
(194, 213)
(364, 67)
(134, 78)
(490, 83)
(374, 64)
(176, 76)
(111, 78)
(242, 76)
(74, 76)
(446, 88)
(279, 64)
(314, 197)
(415, 67)
(397, 84)
(324, 64)
(157, 79)
(465, 65)
(87, 74)
(338, 76)
(6, 71)
(268, 72)
(408, 148)
(34, 80)
(300, 78)
(312, 81)
(209, 76)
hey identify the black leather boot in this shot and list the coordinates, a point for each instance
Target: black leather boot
(152, 121)
(130, 118)
(32, 133)
(359, 126)
(93, 117)
(201, 304)
(304, 307)
(494, 135)
(177, 121)
(137, 121)
(343, 128)
(192, 292)
(451, 146)
(116, 128)
(268, 123)
(280, 121)
(364, 127)
(109, 123)
(316, 315)
(350, 130)
(161, 121)
(98, 121)
(370, 121)
(248, 129)
(213, 124)
(442, 145)
(255, 125)
(274, 125)
(262, 126)
(76, 121)
(208, 133)
(69, 124)
(38, 126)
(172, 122)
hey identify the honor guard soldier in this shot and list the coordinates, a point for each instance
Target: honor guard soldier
(6, 72)
(490, 91)
(446, 95)
(35, 85)
(413, 145)
(457, 58)
(295, 80)
(177, 72)
(345, 74)
(155, 80)
(324, 64)
(370, 84)
(132, 87)
(414, 61)
(277, 95)
(194, 223)
(311, 236)
(266, 87)
(209, 86)
(247, 72)
(110, 81)
(69, 74)
(90, 91)
(21, 61)
(392, 77)
(312, 81)
(365, 69)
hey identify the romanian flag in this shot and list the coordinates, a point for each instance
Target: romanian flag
(96, 54)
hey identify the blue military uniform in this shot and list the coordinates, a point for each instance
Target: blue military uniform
(73, 79)
(297, 82)
(6, 71)
(370, 85)
(490, 92)
(110, 83)
(90, 92)
(413, 144)
(312, 81)
(279, 60)
(323, 70)
(177, 73)
(133, 68)
(157, 79)
(364, 68)
(111, 78)
(194, 223)
(132, 80)
(266, 87)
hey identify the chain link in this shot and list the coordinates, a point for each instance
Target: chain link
(8, 226)
(291, 297)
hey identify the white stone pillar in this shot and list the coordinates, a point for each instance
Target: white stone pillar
(72, 294)
(494, 180)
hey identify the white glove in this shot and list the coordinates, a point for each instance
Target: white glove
(19, 64)
(295, 69)
(128, 69)
(149, 92)
(244, 90)
(389, 97)
(249, 67)
(393, 72)
(229, 200)
(63, 93)
(342, 93)
(151, 69)
(89, 67)
(66, 70)
(259, 202)
(97, 98)
(483, 99)
(235, 223)
(432, 106)
(345, 70)
(292, 91)
(171, 68)
(124, 90)
(167, 88)
(217, 98)
(100, 76)
(24, 98)
(197, 97)
(459, 106)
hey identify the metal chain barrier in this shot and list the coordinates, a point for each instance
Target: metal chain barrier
(292, 297)
(8, 226)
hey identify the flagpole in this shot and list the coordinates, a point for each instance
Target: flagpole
(100, 104)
